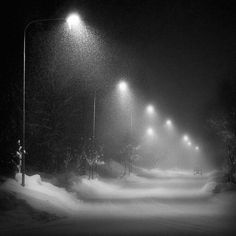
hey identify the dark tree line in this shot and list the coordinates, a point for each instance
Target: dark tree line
(58, 106)
(223, 121)
(10, 126)
(84, 159)
(57, 109)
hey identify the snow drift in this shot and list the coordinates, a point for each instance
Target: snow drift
(178, 203)
(42, 195)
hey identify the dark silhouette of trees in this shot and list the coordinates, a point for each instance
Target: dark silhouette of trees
(10, 125)
(223, 121)
(54, 101)
(128, 154)
(94, 156)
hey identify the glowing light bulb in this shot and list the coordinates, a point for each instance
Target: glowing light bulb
(73, 20)
(150, 109)
(186, 138)
(150, 131)
(123, 86)
(169, 123)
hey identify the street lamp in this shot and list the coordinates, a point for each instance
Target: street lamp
(94, 113)
(123, 88)
(186, 138)
(150, 109)
(169, 123)
(71, 20)
(150, 131)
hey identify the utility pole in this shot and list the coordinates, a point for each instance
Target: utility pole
(94, 114)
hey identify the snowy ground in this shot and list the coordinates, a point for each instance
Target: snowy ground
(150, 202)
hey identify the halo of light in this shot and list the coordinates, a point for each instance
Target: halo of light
(150, 109)
(73, 20)
(150, 131)
(186, 138)
(168, 122)
(122, 86)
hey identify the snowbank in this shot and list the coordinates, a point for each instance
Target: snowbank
(42, 195)
(216, 183)
(160, 173)
(88, 189)
(111, 169)
(215, 187)
(216, 176)
(178, 186)
(136, 187)
(174, 200)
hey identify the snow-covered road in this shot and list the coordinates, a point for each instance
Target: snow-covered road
(156, 203)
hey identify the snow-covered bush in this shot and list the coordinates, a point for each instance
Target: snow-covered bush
(217, 182)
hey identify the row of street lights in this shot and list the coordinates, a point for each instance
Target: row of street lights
(188, 142)
(150, 110)
(73, 20)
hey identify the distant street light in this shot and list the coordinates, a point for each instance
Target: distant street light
(186, 138)
(197, 148)
(150, 109)
(71, 21)
(189, 143)
(150, 131)
(169, 123)
(123, 86)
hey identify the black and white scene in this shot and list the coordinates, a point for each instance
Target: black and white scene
(118, 117)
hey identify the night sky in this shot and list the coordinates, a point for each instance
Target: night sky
(174, 52)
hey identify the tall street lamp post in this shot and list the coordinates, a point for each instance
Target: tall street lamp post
(123, 88)
(72, 20)
(94, 113)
